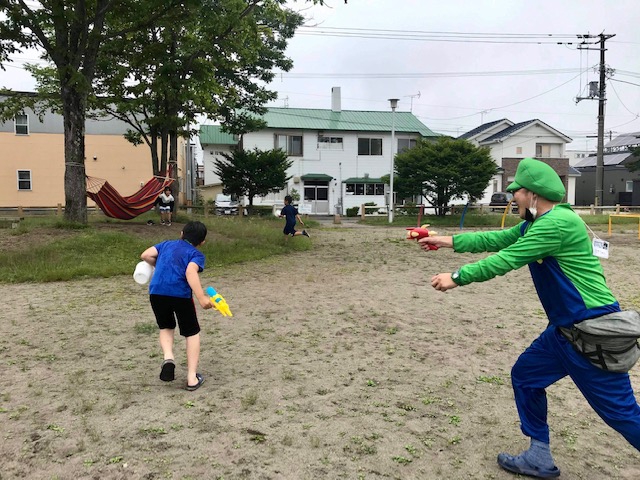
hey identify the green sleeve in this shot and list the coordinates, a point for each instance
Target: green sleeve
(492, 241)
(513, 250)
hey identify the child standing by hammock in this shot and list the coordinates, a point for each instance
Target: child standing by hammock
(166, 203)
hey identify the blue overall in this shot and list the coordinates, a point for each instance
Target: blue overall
(551, 357)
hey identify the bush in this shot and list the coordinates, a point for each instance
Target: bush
(260, 210)
(353, 211)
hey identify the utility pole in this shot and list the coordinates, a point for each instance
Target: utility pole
(601, 102)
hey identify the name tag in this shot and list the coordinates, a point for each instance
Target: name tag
(600, 248)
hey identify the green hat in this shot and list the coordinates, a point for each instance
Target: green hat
(539, 178)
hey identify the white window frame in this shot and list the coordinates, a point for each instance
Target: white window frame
(19, 180)
(286, 142)
(362, 189)
(543, 150)
(411, 142)
(628, 186)
(25, 124)
(330, 142)
(370, 149)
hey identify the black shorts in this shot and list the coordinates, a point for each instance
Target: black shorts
(167, 309)
(289, 229)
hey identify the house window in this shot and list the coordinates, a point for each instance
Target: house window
(24, 179)
(628, 186)
(329, 142)
(291, 144)
(543, 150)
(405, 144)
(22, 124)
(365, 188)
(518, 150)
(369, 146)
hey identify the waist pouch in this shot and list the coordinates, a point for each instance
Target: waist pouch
(609, 342)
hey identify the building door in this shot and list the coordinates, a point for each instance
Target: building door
(316, 193)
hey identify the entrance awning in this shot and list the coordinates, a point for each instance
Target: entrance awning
(317, 176)
(362, 180)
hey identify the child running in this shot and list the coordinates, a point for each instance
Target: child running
(291, 214)
(171, 291)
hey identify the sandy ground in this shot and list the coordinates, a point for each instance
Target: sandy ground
(340, 362)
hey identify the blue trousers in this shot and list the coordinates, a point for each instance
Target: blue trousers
(550, 358)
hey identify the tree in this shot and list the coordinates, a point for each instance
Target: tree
(252, 173)
(70, 34)
(80, 39)
(207, 57)
(443, 170)
(634, 165)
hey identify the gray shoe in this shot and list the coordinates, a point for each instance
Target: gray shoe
(305, 233)
(520, 465)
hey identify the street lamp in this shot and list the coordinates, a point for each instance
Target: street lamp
(394, 105)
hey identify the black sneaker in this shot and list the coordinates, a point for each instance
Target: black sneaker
(304, 232)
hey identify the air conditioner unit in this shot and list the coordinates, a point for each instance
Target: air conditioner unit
(296, 179)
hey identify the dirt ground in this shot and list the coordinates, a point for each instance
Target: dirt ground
(339, 362)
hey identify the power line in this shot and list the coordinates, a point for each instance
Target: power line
(622, 103)
(486, 73)
(622, 81)
(463, 37)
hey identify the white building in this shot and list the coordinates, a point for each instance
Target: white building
(339, 156)
(511, 142)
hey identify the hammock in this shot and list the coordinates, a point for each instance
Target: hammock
(115, 205)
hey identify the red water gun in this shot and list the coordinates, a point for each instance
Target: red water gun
(416, 233)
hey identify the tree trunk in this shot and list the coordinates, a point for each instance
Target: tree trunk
(173, 162)
(164, 151)
(155, 161)
(75, 183)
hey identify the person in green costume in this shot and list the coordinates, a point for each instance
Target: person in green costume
(553, 241)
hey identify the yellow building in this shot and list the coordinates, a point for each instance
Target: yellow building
(32, 159)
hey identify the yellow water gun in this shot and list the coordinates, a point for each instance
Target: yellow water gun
(219, 302)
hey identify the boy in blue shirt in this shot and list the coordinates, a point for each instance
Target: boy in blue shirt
(291, 214)
(171, 291)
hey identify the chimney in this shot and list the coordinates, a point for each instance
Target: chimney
(335, 99)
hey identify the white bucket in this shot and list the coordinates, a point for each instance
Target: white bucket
(143, 272)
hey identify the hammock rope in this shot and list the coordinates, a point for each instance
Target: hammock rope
(117, 206)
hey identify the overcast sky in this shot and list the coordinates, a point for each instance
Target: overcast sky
(336, 48)
(455, 104)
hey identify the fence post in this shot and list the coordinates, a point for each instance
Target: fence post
(59, 210)
(362, 209)
(617, 208)
(592, 210)
(20, 212)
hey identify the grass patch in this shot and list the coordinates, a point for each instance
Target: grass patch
(145, 328)
(86, 251)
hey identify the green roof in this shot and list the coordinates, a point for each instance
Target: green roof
(345, 120)
(213, 135)
(317, 176)
(362, 180)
